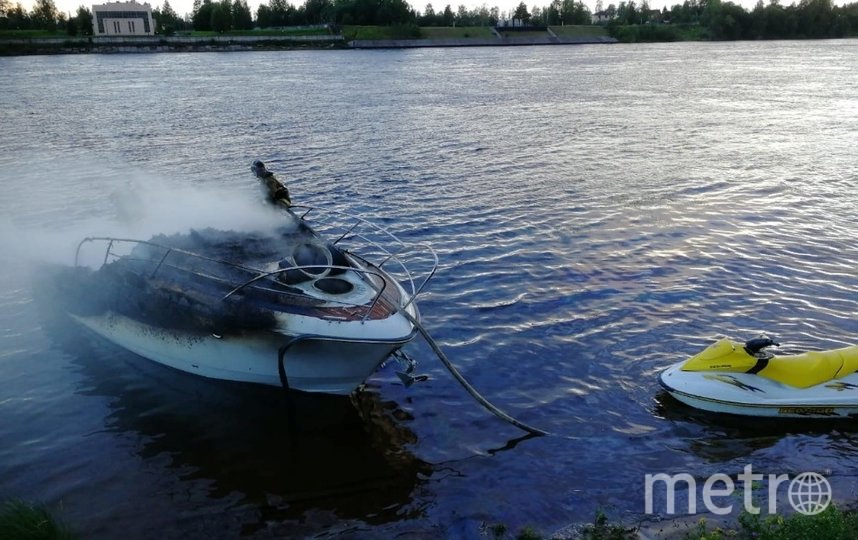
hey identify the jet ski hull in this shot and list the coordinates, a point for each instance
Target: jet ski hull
(752, 395)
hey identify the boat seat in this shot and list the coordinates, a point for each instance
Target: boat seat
(806, 369)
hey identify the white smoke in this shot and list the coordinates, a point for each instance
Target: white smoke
(49, 206)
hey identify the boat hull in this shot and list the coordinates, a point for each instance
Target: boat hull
(311, 363)
(752, 395)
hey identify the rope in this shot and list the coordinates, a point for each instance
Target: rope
(465, 384)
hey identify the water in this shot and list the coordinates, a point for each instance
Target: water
(600, 212)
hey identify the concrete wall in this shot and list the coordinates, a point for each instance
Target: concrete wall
(117, 44)
(475, 42)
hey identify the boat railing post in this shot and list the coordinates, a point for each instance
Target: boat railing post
(353, 227)
(107, 251)
(375, 300)
(77, 252)
(155, 271)
(425, 281)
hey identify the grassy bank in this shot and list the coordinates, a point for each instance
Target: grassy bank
(651, 33)
(830, 524)
(23, 521)
(456, 32)
(523, 34)
(287, 32)
(403, 31)
(30, 34)
(574, 31)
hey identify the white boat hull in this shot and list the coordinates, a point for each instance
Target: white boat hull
(321, 364)
(752, 395)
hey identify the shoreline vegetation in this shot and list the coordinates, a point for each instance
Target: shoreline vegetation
(20, 520)
(16, 43)
(223, 25)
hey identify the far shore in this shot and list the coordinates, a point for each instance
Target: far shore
(11, 45)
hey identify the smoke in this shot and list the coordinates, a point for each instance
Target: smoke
(50, 206)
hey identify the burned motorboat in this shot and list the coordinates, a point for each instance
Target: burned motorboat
(285, 307)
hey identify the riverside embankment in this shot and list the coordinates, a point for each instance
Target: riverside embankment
(75, 45)
(108, 45)
(477, 42)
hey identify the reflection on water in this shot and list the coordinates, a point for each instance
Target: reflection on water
(599, 212)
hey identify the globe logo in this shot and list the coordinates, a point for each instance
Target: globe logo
(809, 493)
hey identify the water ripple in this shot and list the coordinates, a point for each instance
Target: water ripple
(599, 212)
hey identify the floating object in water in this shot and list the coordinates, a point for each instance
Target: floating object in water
(288, 308)
(745, 379)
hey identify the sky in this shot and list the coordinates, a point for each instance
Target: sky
(185, 6)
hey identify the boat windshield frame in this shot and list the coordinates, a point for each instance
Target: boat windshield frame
(368, 270)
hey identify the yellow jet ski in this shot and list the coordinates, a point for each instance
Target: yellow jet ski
(745, 379)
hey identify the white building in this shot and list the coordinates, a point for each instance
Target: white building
(122, 19)
(600, 17)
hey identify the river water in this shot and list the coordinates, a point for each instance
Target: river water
(599, 211)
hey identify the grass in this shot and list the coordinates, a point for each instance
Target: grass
(23, 521)
(499, 531)
(830, 524)
(659, 33)
(580, 31)
(25, 34)
(524, 34)
(264, 33)
(405, 31)
(602, 530)
(457, 32)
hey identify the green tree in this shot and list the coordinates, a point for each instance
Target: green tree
(45, 15)
(643, 13)
(202, 15)
(521, 13)
(816, 18)
(166, 19)
(463, 16)
(429, 17)
(758, 21)
(552, 12)
(572, 12)
(448, 18)
(241, 16)
(279, 12)
(221, 16)
(611, 11)
(16, 18)
(82, 21)
(316, 11)
(264, 17)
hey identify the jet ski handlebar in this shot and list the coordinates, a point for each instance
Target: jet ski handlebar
(754, 346)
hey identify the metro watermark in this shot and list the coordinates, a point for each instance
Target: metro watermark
(808, 493)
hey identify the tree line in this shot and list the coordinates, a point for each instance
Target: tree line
(725, 20)
(45, 16)
(628, 20)
(227, 15)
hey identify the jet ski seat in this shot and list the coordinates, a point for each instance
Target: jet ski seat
(803, 370)
(800, 371)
